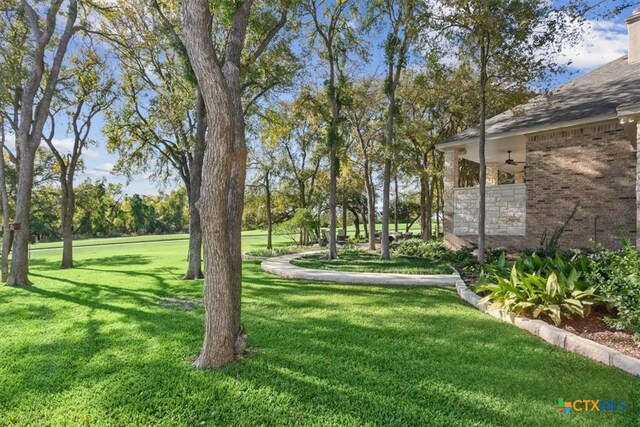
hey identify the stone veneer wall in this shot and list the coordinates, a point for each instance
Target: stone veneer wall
(594, 166)
(506, 210)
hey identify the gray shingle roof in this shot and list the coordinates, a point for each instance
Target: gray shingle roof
(595, 94)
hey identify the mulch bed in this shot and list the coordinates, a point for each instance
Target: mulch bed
(595, 329)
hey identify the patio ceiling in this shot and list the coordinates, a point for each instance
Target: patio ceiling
(496, 152)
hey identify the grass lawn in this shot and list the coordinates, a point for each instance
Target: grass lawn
(111, 342)
(360, 261)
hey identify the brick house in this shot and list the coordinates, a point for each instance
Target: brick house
(577, 145)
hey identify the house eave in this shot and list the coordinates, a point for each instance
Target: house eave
(444, 146)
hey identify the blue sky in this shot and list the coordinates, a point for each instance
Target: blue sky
(604, 41)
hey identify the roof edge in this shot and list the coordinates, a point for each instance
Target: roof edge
(535, 129)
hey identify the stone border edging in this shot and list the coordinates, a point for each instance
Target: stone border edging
(281, 266)
(555, 336)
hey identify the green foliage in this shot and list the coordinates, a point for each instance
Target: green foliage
(616, 274)
(552, 286)
(302, 219)
(268, 253)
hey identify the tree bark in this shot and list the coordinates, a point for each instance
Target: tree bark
(395, 202)
(345, 214)
(364, 222)
(221, 296)
(481, 154)
(67, 202)
(4, 198)
(19, 273)
(194, 267)
(267, 186)
(371, 206)
(425, 208)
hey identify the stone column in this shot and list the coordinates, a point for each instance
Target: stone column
(493, 175)
(450, 178)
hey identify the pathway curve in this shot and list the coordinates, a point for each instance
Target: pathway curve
(281, 266)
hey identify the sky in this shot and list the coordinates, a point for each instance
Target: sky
(603, 41)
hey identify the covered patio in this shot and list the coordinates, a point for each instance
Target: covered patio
(506, 189)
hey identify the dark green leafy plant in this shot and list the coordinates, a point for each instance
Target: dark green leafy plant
(550, 286)
(617, 276)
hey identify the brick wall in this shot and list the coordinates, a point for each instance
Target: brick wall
(506, 210)
(594, 166)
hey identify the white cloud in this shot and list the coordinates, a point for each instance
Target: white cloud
(602, 42)
(101, 170)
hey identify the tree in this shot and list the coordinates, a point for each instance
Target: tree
(332, 27)
(34, 114)
(402, 18)
(224, 172)
(364, 116)
(87, 91)
(160, 126)
(293, 132)
(511, 42)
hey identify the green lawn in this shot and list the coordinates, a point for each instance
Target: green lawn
(360, 261)
(109, 343)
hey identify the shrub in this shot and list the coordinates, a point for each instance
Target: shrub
(275, 251)
(551, 286)
(617, 276)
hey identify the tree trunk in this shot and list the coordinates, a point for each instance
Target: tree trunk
(267, 185)
(67, 202)
(332, 252)
(19, 274)
(221, 296)
(194, 267)
(32, 120)
(386, 187)
(4, 197)
(481, 156)
(345, 214)
(356, 223)
(364, 222)
(425, 208)
(395, 202)
(371, 205)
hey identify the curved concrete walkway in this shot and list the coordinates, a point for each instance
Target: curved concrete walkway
(281, 266)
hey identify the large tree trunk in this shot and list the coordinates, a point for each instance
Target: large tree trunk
(481, 157)
(332, 252)
(194, 267)
(67, 202)
(19, 274)
(222, 296)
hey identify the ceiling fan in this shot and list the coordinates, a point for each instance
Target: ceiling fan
(510, 161)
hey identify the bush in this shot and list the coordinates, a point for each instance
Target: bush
(617, 276)
(551, 286)
(275, 251)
